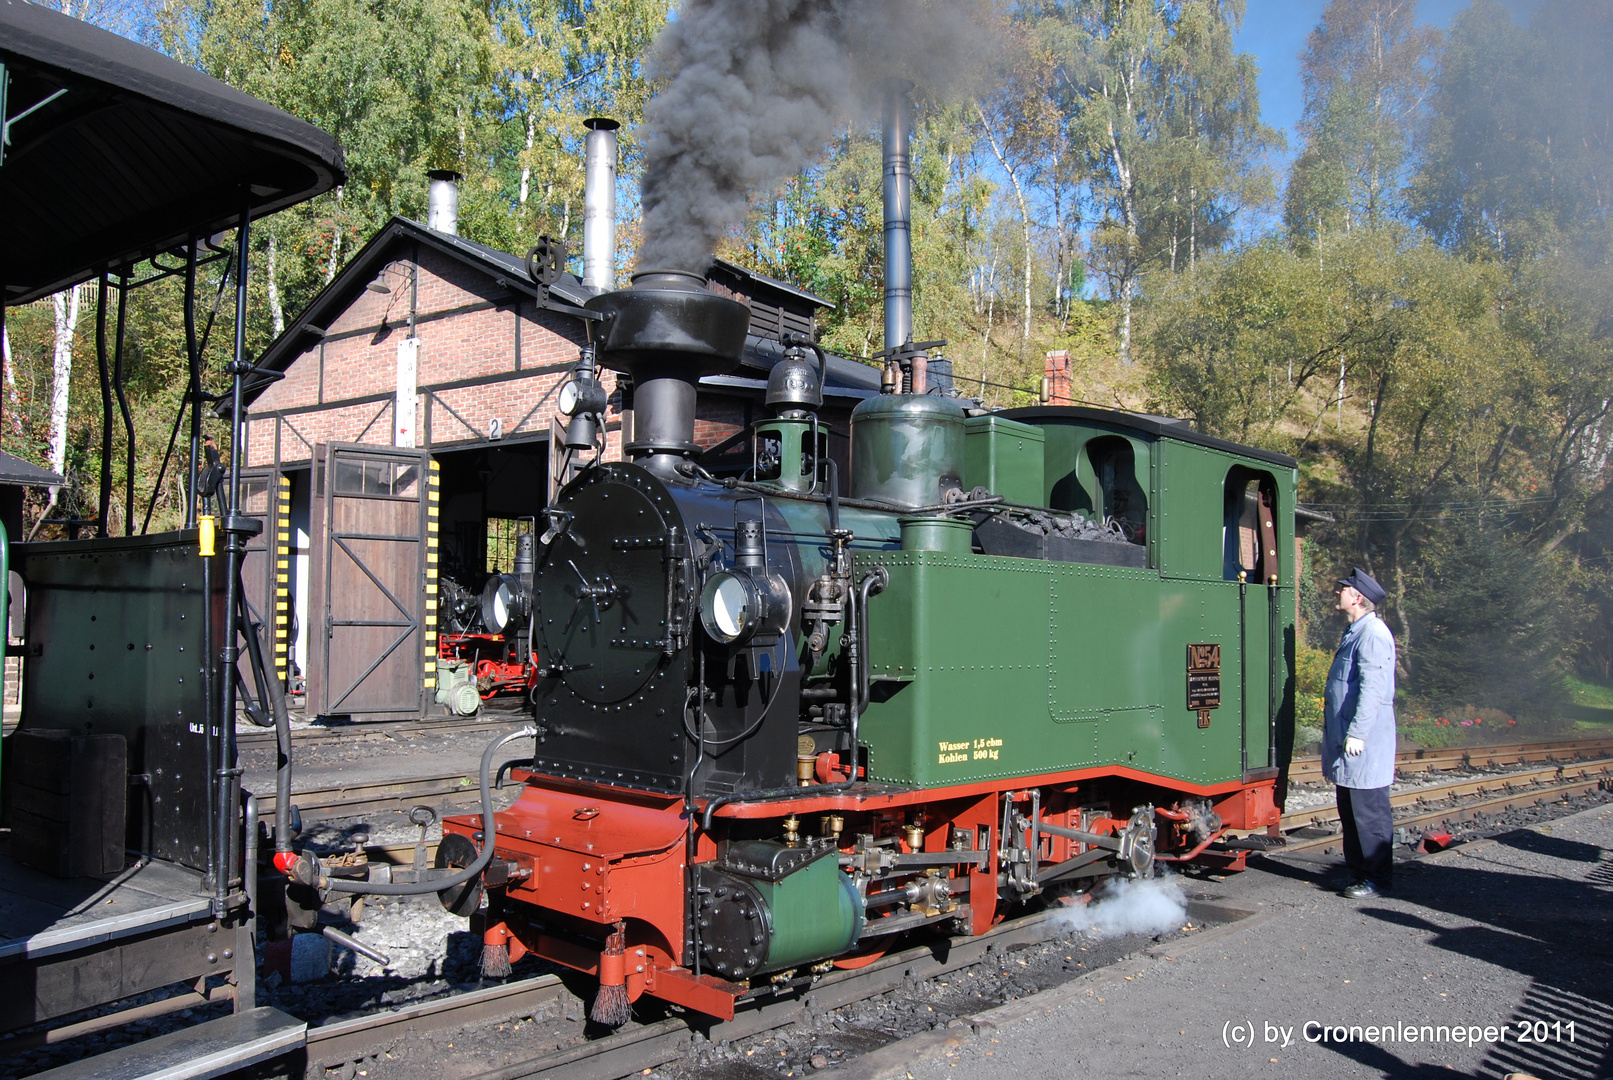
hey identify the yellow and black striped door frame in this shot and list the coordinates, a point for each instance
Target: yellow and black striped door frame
(280, 551)
(428, 619)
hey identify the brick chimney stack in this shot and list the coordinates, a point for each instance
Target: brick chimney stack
(1056, 378)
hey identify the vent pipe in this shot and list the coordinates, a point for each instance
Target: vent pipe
(898, 184)
(442, 201)
(599, 205)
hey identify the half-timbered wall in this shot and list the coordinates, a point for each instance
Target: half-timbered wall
(486, 355)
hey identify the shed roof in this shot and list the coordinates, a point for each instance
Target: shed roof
(567, 295)
(15, 472)
(118, 153)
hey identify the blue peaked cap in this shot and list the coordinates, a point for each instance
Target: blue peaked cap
(1365, 584)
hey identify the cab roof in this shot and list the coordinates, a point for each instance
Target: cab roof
(1158, 427)
(117, 153)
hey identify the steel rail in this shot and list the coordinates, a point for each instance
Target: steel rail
(379, 729)
(543, 997)
(369, 797)
(366, 797)
(1534, 796)
(1326, 815)
(1308, 769)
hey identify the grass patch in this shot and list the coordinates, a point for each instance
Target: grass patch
(1593, 694)
(1431, 733)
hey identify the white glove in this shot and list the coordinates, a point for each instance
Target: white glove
(1354, 747)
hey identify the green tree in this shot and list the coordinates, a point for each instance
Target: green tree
(556, 63)
(1162, 112)
(1518, 159)
(1366, 71)
(1491, 624)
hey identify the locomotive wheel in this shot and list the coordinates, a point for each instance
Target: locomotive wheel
(861, 960)
(457, 851)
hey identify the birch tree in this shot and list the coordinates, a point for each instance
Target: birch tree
(1165, 115)
(1367, 69)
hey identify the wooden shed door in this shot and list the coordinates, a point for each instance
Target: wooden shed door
(369, 526)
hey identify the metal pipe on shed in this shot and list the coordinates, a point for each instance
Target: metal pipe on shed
(599, 204)
(442, 201)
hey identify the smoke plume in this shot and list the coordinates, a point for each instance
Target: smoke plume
(1124, 907)
(753, 90)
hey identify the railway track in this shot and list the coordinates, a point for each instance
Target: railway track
(1308, 769)
(365, 798)
(493, 721)
(337, 1051)
(1463, 800)
(344, 800)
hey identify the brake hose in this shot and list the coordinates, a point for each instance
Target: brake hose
(419, 888)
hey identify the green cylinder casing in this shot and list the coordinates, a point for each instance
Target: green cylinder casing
(815, 912)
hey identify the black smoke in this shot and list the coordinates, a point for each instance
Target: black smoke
(753, 90)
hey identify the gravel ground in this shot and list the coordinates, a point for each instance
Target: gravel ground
(847, 1033)
(830, 1038)
(1496, 934)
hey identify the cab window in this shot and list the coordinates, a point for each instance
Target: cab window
(1114, 467)
(1250, 532)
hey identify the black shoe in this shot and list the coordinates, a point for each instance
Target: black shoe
(1360, 890)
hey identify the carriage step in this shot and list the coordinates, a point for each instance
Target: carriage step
(206, 1050)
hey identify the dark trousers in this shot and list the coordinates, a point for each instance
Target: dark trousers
(1369, 832)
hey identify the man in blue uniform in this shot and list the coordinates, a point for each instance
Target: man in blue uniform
(1358, 735)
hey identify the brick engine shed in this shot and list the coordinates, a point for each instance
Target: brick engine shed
(414, 431)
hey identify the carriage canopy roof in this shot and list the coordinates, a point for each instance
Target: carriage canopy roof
(117, 153)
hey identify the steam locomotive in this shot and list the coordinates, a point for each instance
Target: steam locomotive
(776, 728)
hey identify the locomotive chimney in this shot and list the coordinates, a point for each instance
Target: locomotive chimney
(666, 331)
(898, 184)
(599, 205)
(442, 201)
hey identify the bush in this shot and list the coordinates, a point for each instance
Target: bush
(1489, 626)
(1310, 669)
(1431, 732)
(1467, 724)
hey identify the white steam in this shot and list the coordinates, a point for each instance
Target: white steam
(1151, 906)
(752, 91)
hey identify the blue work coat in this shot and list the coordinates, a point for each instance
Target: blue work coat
(1360, 702)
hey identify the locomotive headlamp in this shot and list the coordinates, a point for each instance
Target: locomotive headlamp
(739, 605)
(503, 603)
(728, 606)
(580, 395)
